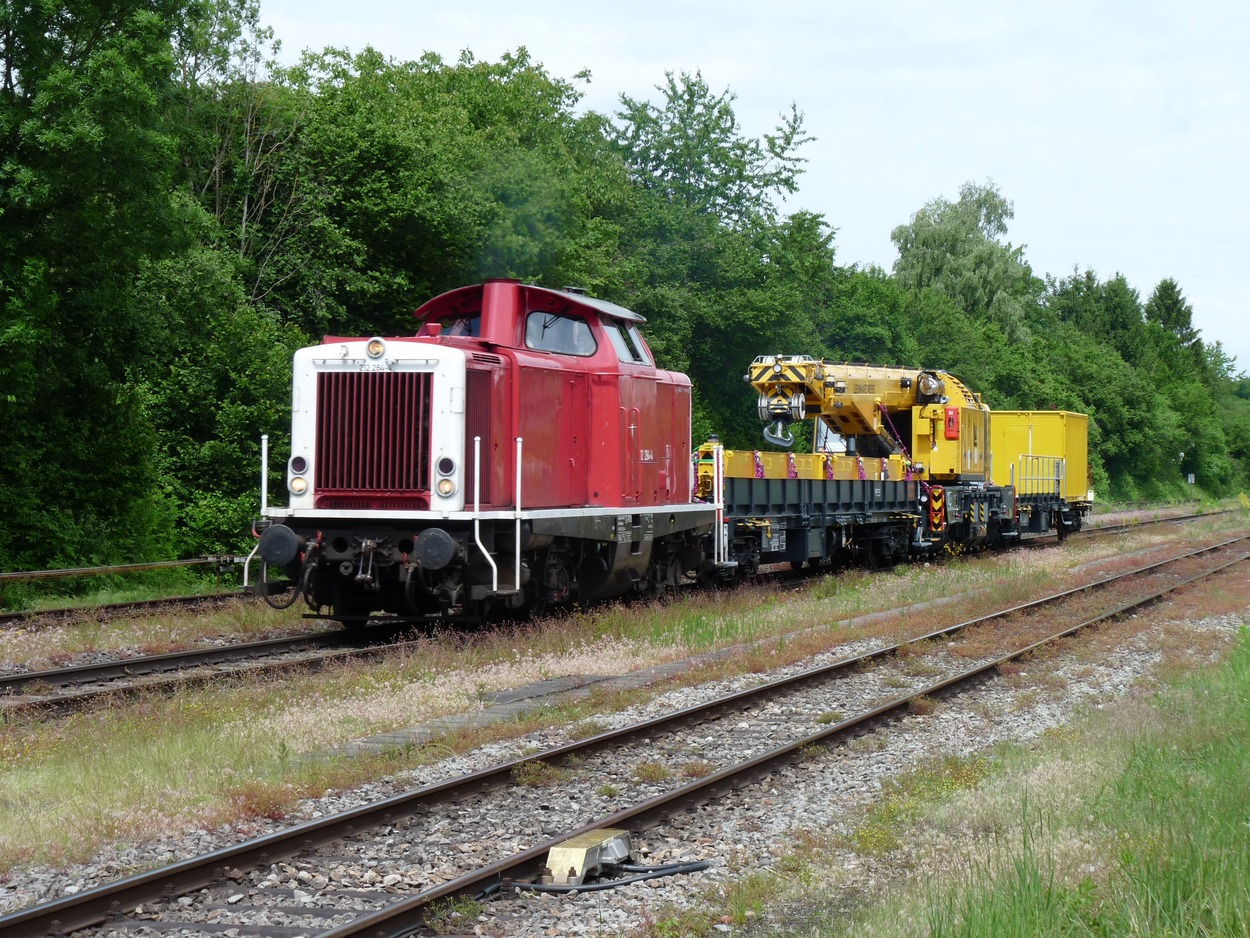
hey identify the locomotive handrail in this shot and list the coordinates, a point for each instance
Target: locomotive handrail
(477, 513)
(264, 506)
(516, 575)
(264, 473)
(720, 537)
(247, 564)
(516, 516)
(1042, 475)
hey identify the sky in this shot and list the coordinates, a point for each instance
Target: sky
(1119, 131)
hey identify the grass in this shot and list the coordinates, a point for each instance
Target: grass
(451, 916)
(1171, 831)
(649, 771)
(540, 775)
(52, 645)
(738, 903)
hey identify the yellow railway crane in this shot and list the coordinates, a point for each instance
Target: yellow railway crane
(930, 419)
(902, 466)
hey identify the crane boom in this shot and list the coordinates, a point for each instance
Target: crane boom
(921, 413)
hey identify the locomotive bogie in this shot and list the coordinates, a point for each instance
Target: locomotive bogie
(471, 572)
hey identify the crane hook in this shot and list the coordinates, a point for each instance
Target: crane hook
(776, 434)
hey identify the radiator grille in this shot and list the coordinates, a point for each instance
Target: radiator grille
(373, 439)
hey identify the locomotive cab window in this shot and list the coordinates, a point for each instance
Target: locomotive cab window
(626, 340)
(551, 332)
(464, 326)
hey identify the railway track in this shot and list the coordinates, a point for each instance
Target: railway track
(60, 689)
(108, 611)
(380, 869)
(1138, 524)
(74, 687)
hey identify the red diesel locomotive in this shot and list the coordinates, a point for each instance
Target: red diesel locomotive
(522, 449)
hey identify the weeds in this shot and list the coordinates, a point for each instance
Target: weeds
(923, 705)
(538, 774)
(585, 730)
(452, 916)
(903, 798)
(651, 772)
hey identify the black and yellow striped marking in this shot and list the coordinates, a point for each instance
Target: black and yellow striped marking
(790, 373)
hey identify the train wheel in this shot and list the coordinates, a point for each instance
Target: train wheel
(665, 577)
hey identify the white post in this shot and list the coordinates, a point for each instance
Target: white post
(264, 473)
(477, 513)
(720, 549)
(264, 505)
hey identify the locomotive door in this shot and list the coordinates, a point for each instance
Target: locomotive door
(633, 452)
(640, 423)
(574, 461)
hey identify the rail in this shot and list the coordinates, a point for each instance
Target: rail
(118, 568)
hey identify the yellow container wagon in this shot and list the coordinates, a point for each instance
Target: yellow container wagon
(1042, 452)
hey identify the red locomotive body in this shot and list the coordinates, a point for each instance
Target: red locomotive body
(405, 491)
(573, 378)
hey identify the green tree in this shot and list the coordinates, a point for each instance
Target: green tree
(85, 195)
(1168, 307)
(1101, 345)
(224, 379)
(690, 149)
(421, 176)
(956, 248)
(705, 257)
(865, 319)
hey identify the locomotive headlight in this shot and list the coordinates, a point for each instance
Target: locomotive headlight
(446, 466)
(298, 485)
(375, 348)
(299, 465)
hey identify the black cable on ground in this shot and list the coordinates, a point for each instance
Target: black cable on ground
(640, 873)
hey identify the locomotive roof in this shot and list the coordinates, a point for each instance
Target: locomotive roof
(457, 300)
